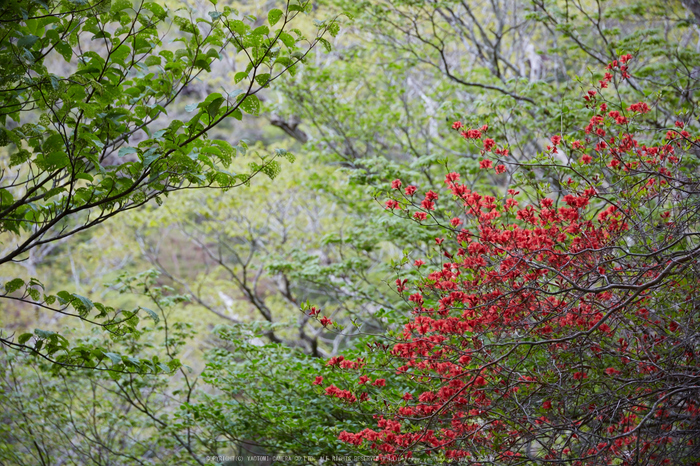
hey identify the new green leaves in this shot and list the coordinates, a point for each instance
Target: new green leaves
(274, 16)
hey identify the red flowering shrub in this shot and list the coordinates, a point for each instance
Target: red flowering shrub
(555, 325)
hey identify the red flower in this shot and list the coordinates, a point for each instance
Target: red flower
(547, 405)
(318, 380)
(471, 134)
(556, 140)
(488, 144)
(580, 376)
(391, 204)
(485, 164)
(396, 184)
(431, 196)
(335, 360)
(451, 177)
(480, 381)
(379, 383)
(640, 107)
(325, 321)
(500, 169)
(456, 125)
(418, 263)
(420, 215)
(410, 190)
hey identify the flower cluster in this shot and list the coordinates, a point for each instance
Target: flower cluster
(566, 321)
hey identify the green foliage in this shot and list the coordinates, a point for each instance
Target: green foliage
(96, 140)
(85, 137)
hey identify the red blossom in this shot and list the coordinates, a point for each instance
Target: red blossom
(391, 204)
(451, 178)
(532, 294)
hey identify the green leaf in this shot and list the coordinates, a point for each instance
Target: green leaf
(22, 339)
(120, 54)
(82, 304)
(272, 169)
(152, 60)
(43, 333)
(263, 79)
(27, 41)
(261, 31)
(114, 357)
(227, 151)
(19, 157)
(273, 16)
(287, 40)
(65, 50)
(152, 314)
(84, 176)
(53, 192)
(119, 5)
(6, 197)
(213, 108)
(251, 105)
(14, 285)
(126, 150)
(33, 293)
(334, 28)
(238, 26)
(326, 44)
(202, 64)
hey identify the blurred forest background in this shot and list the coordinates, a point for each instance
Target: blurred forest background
(227, 272)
